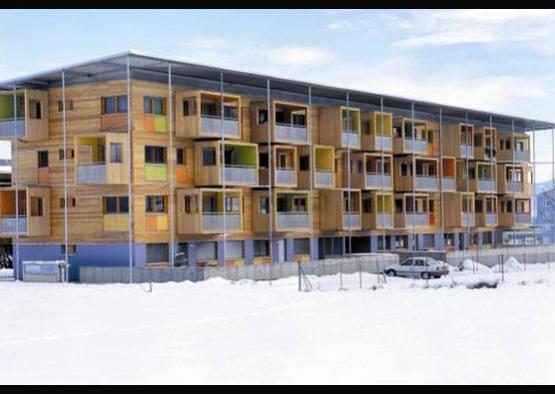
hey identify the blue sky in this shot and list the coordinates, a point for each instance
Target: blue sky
(498, 60)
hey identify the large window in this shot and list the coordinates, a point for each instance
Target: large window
(115, 205)
(234, 250)
(155, 204)
(116, 155)
(301, 246)
(155, 154)
(114, 105)
(35, 110)
(261, 248)
(180, 157)
(155, 105)
(157, 253)
(207, 251)
(36, 206)
(209, 157)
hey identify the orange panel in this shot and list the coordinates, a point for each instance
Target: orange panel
(149, 123)
(181, 174)
(43, 176)
(432, 219)
(114, 122)
(151, 222)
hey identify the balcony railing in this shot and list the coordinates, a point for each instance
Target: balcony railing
(426, 182)
(214, 221)
(491, 219)
(285, 176)
(467, 151)
(350, 139)
(7, 127)
(448, 184)
(376, 180)
(384, 220)
(520, 155)
(420, 146)
(324, 178)
(515, 187)
(91, 173)
(290, 132)
(213, 124)
(13, 224)
(239, 174)
(522, 218)
(416, 219)
(292, 220)
(467, 219)
(383, 142)
(351, 220)
(486, 185)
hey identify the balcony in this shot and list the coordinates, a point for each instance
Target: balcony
(286, 177)
(522, 218)
(448, 184)
(491, 219)
(350, 139)
(12, 225)
(426, 182)
(467, 151)
(292, 133)
(416, 219)
(214, 221)
(323, 178)
(416, 146)
(239, 175)
(514, 187)
(521, 155)
(213, 125)
(486, 186)
(384, 143)
(10, 127)
(384, 220)
(91, 173)
(467, 219)
(351, 220)
(378, 181)
(292, 220)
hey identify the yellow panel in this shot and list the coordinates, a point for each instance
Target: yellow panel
(117, 222)
(162, 222)
(160, 124)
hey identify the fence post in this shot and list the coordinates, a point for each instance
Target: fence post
(360, 273)
(340, 274)
(299, 273)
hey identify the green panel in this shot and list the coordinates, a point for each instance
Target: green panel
(6, 107)
(246, 155)
(160, 124)
(324, 159)
(155, 172)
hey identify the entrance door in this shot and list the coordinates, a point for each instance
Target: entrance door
(281, 250)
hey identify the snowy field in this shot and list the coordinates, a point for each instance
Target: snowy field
(404, 331)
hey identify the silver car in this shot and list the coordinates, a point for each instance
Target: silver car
(418, 267)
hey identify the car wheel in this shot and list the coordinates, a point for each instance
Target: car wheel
(391, 273)
(425, 275)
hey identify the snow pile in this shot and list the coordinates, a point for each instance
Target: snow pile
(473, 266)
(511, 265)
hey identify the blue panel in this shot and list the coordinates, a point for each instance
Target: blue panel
(314, 251)
(192, 254)
(373, 243)
(439, 241)
(289, 249)
(220, 252)
(249, 251)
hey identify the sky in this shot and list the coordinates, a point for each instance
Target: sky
(495, 60)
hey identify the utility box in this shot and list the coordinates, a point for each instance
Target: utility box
(45, 271)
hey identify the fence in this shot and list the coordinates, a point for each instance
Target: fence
(371, 263)
(490, 257)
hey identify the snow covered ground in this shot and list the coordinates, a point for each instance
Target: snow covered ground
(405, 331)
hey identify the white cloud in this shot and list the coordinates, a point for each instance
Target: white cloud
(296, 56)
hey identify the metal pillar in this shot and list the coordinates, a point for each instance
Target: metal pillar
(413, 171)
(129, 166)
(535, 210)
(311, 168)
(16, 176)
(64, 126)
(172, 164)
(270, 191)
(441, 192)
(222, 139)
(382, 165)
(349, 169)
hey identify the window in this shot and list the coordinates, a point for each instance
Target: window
(189, 107)
(70, 155)
(301, 246)
(430, 136)
(154, 105)
(230, 112)
(209, 157)
(304, 163)
(263, 160)
(42, 158)
(70, 202)
(69, 105)
(234, 250)
(155, 154)
(181, 255)
(232, 204)
(299, 204)
(478, 206)
(299, 119)
(180, 157)
(404, 169)
(157, 253)
(207, 251)
(71, 249)
(155, 204)
(114, 105)
(36, 206)
(367, 205)
(262, 116)
(261, 248)
(35, 109)
(208, 108)
(116, 155)
(187, 204)
(264, 205)
(398, 205)
(115, 205)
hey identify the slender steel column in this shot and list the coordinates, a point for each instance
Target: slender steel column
(441, 191)
(493, 190)
(349, 171)
(16, 176)
(413, 171)
(468, 232)
(382, 165)
(129, 171)
(172, 164)
(513, 147)
(311, 168)
(222, 139)
(64, 126)
(270, 191)
(535, 210)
